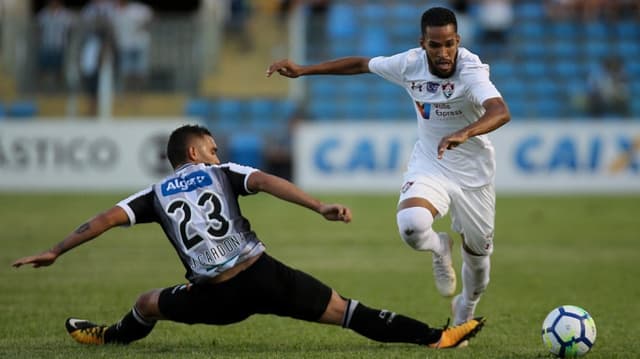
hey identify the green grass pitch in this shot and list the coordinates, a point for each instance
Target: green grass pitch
(549, 251)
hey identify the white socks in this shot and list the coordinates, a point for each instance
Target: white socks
(475, 276)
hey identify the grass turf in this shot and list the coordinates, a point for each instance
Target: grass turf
(549, 251)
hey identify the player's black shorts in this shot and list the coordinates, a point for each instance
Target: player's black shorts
(266, 287)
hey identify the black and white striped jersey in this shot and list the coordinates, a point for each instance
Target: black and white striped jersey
(198, 210)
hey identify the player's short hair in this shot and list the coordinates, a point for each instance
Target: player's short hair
(438, 16)
(179, 141)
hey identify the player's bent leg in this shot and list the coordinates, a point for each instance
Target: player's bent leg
(335, 311)
(135, 325)
(475, 278)
(414, 225)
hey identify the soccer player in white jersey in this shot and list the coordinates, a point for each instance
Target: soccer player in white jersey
(452, 164)
(230, 276)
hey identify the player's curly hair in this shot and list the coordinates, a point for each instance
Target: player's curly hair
(179, 141)
(438, 16)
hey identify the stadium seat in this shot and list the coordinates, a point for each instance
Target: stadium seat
(341, 21)
(355, 109)
(261, 108)
(246, 149)
(633, 69)
(627, 48)
(564, 30)
(225, 126)
(545, 87)
(534, 69)
(502, 69)
(342, 47)
(374, 42)
(531, 30)
(321, 89)
(596, 30)
(201, 108)
(529, 10)
(322, 110)
(517, 107)
(374, 13)
(548, 107)
(563, 49)
(405, 13)
(228, 108)
(388, 91)
(286, 109)
(567, 69)
(512, 88)
(627, 29)
(22, 109)
(530, 50)
(356, 88)
(635, 108)
(597, 49)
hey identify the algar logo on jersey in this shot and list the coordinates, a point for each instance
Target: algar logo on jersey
(187, 183)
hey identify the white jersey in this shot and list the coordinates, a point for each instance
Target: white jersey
(198, 210)
(442, 107)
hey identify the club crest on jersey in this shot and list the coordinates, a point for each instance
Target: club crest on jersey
(447, 89)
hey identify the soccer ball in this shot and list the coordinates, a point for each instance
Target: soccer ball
(568, 331)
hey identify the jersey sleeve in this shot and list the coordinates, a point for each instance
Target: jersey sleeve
(238, 176)
(139, 207)
(479, 86)
(390, 68)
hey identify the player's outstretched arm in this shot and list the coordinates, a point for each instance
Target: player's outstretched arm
(263, 182)
(97, 225)
(344, 66)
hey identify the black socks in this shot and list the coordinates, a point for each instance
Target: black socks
(386, 326)
(132, 327)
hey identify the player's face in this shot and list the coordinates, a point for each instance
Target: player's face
(205, 150)
(441, 44)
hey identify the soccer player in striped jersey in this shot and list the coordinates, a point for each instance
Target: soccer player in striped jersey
(452, 166)
(230, 276)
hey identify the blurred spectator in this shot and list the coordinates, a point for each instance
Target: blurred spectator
(608, 89)
(495, 18)
(54, 25)
(316, 13)
(279, 151)
(590, 10)
(132, 23)
(238, 22)
(98, 46)
(466, 23)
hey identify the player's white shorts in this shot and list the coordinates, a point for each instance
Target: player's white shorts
(472, 210)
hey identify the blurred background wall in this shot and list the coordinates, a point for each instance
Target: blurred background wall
(555, 62)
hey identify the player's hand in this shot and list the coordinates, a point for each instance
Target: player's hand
(40, 260)
(451, 141)
(286, 68)
(335, 212)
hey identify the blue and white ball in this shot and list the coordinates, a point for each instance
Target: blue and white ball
(568, 331)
